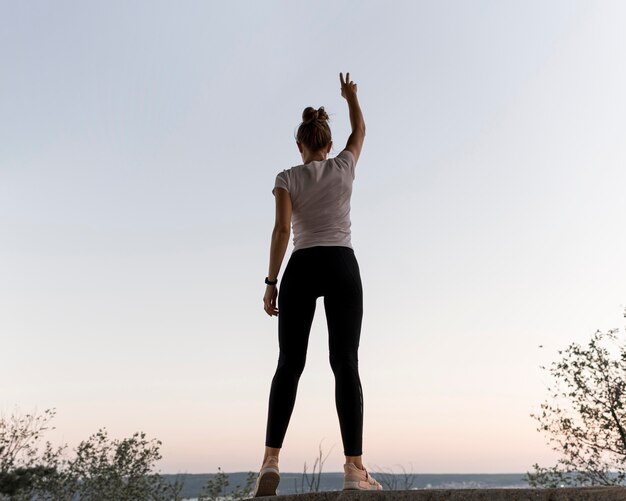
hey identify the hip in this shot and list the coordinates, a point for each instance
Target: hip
(322, 268)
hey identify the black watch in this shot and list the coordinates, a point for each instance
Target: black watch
(270, 282)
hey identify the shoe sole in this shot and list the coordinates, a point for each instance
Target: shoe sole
(267, 484)
(355, 485)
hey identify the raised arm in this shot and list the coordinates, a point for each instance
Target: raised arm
(355, 141)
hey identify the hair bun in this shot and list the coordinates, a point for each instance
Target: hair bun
(321, 114)
(310, 114)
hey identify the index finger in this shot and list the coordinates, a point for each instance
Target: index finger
(341, 78)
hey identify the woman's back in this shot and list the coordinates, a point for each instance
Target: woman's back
(320, 193)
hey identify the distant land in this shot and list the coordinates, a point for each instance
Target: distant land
(333, 481)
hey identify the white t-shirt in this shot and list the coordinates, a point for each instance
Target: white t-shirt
(320, 195)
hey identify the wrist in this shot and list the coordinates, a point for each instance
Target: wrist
(271, 281)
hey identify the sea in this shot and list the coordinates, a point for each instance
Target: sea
(292, 483)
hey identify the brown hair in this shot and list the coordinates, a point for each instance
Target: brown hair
(314, 131)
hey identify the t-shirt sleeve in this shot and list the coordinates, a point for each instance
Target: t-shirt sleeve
(282, 181)
(346, 159)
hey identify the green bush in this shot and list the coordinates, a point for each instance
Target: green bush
(101, 469)
(585, 416)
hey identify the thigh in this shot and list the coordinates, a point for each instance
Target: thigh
(343, 302)
(296, 309)
(295, 316)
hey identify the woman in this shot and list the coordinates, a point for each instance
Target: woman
(314, 197)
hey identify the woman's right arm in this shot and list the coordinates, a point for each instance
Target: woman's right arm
(355, 141)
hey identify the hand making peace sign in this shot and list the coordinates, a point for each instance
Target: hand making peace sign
(348, 88)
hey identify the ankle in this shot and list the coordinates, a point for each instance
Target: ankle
(271, 452)
(267, 458)
(356, 462)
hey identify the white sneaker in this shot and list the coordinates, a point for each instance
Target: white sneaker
(357, 479)
(268, 478)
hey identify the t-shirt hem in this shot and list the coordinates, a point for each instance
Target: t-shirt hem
(323, 244)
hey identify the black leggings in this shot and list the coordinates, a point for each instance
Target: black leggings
(332, 272)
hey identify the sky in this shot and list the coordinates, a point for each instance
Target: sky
(138, 150)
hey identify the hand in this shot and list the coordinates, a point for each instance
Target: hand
(269, 300)
(348, 88)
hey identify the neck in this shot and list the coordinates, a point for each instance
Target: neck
(313, 158)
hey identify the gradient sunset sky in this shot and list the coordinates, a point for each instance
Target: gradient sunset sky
(138, 149)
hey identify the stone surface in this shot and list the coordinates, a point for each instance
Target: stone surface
(563, 494)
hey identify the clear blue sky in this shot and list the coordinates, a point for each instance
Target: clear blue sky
(138, 149)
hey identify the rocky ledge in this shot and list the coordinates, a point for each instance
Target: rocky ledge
(563, 494)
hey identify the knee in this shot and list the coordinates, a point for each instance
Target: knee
(292, 366)
(343, 362)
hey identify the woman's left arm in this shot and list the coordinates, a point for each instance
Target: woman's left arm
(280, 240)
